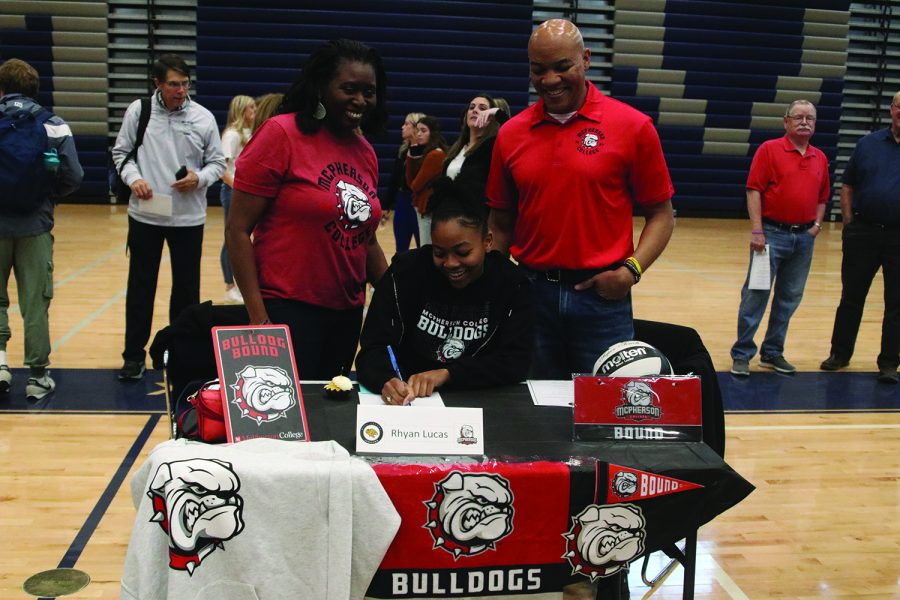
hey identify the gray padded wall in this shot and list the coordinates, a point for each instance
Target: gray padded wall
(66, 42)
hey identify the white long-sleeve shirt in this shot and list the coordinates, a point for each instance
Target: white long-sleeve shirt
(186, 136)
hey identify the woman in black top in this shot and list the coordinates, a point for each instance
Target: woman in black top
(454, 312)
(469, 158)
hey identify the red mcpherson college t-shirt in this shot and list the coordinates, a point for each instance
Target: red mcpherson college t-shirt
(311, 243)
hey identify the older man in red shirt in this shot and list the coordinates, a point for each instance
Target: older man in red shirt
(787, 191)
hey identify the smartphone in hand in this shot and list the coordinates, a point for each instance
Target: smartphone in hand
(181, 173)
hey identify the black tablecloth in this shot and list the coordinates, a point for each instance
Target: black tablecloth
(516, 431)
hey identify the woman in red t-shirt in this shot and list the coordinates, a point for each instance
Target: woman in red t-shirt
(305, 189)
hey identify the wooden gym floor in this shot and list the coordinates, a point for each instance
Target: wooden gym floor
(823, 449)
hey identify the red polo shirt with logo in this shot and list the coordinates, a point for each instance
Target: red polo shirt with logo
(572, 185)
(792, 185)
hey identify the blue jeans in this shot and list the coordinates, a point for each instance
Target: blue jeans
(225, 198)
(573, 328)
(790, 255)
(406, 226)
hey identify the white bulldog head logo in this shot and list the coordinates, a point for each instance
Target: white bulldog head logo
(354, 205)
(590, 140)
(637, 393)
(624, 484)
(469, 512)
(264, 393)
(196, 503)
(604, 539)
(451, 349)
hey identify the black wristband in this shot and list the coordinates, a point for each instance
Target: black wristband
(634, 271)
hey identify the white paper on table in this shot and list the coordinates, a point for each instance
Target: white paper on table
(159, 204)
(760, 277)
(368, 397)
(552, 392)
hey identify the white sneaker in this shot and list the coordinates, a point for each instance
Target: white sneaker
(38, 387)
(5, 378)
(234, 295)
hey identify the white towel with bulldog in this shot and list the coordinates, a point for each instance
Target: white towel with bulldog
(263, 519)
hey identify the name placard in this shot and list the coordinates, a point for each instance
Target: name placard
(420, 430)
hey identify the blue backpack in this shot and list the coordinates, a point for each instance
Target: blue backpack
(25, 183)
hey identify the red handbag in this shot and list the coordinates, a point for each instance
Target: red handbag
(207, 403)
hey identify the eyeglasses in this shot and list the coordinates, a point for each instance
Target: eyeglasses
(799, 118)
(174, 85)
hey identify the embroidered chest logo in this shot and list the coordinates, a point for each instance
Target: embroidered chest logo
(637, 402)
(590, 140)
(264, 394)
(196, 503)
(469, 512)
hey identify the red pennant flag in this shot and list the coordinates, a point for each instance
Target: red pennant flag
(629, 485)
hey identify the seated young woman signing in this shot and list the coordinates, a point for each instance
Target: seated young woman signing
(454, 312)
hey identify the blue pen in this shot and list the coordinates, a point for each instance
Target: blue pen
(394, 363)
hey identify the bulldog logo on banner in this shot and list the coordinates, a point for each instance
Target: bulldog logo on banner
(638, 400)
(196, 503)
(263, 393)
(603, 540)
(469, 513)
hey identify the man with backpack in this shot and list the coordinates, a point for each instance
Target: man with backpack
(167, 152)
(38, 164)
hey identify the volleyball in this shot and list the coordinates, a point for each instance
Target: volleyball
(632, 359)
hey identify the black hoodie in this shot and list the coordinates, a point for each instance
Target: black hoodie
(482, 333)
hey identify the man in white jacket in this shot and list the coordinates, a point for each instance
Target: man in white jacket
(180, 156)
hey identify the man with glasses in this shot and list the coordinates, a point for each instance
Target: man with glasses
(179, 157)
(787, 191)
(870, 207)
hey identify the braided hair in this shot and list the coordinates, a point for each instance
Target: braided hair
(454, 201)
(321, 67)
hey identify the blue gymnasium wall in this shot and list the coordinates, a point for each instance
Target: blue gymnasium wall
(717, 76)
(68, 51)
(437, 54)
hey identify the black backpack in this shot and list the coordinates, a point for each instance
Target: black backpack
(119, 187)
(25, 183)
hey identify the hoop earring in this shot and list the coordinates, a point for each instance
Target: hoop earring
(319, 113)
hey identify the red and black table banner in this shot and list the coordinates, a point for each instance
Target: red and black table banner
(525, 528)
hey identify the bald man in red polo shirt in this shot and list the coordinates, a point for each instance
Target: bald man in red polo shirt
(787, 191)
(565, 175)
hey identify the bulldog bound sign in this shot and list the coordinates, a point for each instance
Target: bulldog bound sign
(638, 408)
(259, 383)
